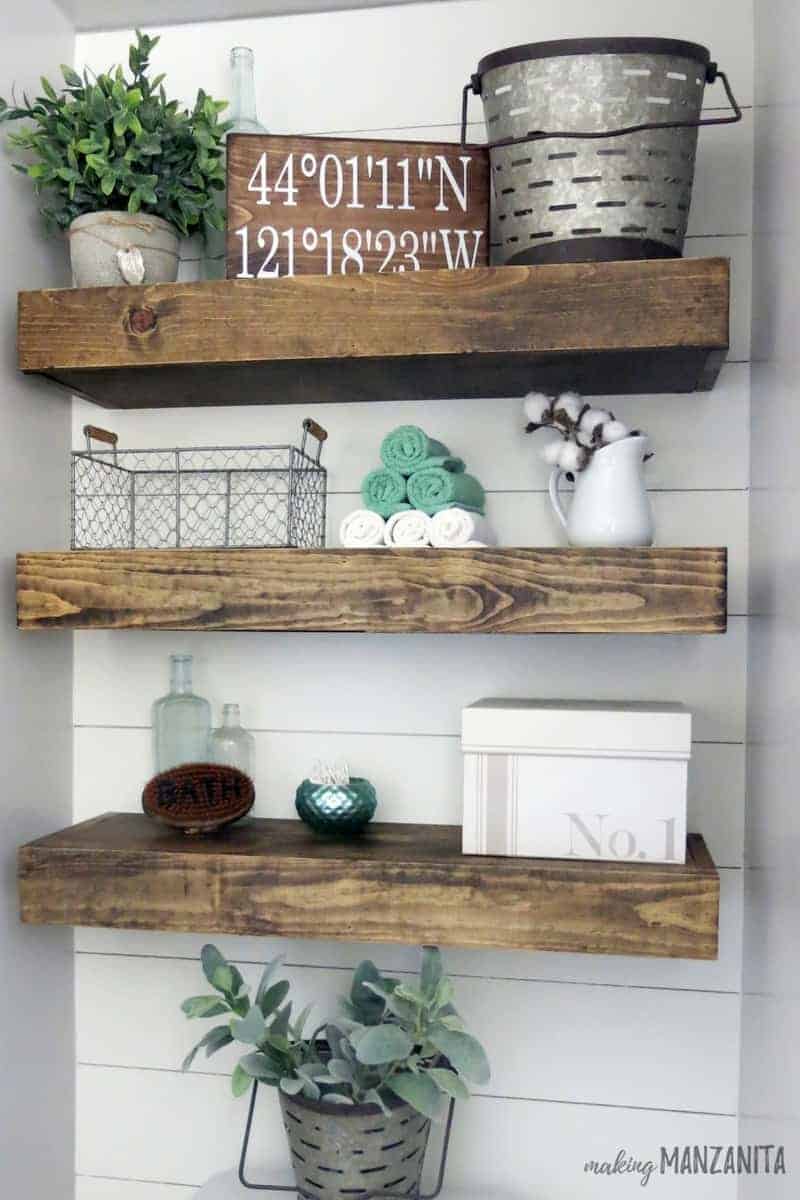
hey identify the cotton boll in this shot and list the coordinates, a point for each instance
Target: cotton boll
(551, 452)
(537, 407)
(614, 431)
(592, 418)
(572, 457)
(568, 406)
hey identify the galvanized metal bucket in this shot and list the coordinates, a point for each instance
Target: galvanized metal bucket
(354, 1151)
(593, 146)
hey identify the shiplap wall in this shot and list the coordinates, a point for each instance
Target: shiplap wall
(36, 1014)
(590, 1055)
(771, 978)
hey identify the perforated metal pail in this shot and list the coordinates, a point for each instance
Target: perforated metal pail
(593, 146)
(340, 1151)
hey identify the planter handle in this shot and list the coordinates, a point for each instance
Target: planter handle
(277, 1187)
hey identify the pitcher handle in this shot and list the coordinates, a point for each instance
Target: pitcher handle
(555, 499)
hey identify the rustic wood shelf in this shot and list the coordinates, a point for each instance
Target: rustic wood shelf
(600, 328)
(396, 883)
(377, 591)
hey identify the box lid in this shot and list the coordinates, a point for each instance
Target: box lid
(594, 727)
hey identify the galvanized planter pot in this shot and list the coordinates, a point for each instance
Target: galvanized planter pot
(593, 194)
(338, 1150)
(109, 249)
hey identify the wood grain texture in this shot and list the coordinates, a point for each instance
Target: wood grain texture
(397, 883)
(377, 591)
(391, 202)
(601, 328)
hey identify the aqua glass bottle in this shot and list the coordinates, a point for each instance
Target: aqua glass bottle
(243, 113)
(181, 720)
(230, 745)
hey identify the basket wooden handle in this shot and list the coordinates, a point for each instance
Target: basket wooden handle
(95, 433)
(316, 431)
(310, 426)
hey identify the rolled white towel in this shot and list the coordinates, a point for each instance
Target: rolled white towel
(408, 529)
(362, 530)
(453, 527)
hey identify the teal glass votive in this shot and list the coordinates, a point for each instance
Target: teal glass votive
(336, 808)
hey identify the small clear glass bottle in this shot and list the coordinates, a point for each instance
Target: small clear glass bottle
(230, 745)
(181, 720)
(243, 112)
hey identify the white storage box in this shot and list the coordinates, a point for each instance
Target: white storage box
(574, 779)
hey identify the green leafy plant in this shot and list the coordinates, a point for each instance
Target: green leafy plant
(115, 142)
(391, 1039)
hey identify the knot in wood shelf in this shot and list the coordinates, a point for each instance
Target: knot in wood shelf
(596, 328)
(142, 320)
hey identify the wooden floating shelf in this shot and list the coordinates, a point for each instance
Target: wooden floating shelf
(377, 591)
(599, 328)
(396, 883)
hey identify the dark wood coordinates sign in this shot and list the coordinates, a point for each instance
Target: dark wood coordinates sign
(334, 206)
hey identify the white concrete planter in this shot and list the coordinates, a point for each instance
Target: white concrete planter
(112, 248)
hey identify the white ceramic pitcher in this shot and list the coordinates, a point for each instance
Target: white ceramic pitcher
(610, 506)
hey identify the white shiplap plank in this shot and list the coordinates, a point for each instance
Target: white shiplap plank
(722, 198)
(683, 1057)
(164, 1126)
(418, 779)
(88, 1188)
(411, 684)
(700, 440)
(356, 65)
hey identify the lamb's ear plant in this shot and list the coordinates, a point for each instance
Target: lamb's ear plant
(391, 1040)
(278, 1054)
(116, 142)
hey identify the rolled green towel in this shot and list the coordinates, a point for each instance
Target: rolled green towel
(408, 449)
(447, 462)
(384, 491)
(434, 488)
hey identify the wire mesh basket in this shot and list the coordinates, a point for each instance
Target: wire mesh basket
(211, 497)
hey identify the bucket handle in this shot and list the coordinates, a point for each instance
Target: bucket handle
(713, 72)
